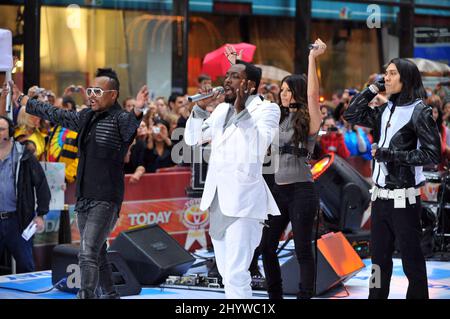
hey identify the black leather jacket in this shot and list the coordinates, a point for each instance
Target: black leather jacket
(103, 141)
(415, 142)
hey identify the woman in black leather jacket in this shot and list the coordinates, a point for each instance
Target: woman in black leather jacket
(406, 139)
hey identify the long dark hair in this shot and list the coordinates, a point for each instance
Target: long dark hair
(298, 85)
(440, 119)
(411, 80)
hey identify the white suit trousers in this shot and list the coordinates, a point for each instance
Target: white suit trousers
(234, 253)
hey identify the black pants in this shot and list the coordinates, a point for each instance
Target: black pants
(402, 224)
(298, 204)
(96, 220)
(20, 249)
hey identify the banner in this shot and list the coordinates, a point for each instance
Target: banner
(180, 217)
(55, 174)
(6, 59)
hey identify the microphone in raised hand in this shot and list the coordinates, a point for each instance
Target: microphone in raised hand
(201, 96)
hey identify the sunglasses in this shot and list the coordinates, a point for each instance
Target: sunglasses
(97, 92)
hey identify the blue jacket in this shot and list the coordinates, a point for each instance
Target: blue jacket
(351, 141)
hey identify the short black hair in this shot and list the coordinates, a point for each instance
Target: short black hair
(253, 73)
(163, 122)
(10, 125)
(173, 97)
(69, 100)
(113, 79)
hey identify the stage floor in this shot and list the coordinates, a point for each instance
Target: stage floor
(357, 286)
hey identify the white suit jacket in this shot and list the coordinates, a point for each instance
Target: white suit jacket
(237, 155)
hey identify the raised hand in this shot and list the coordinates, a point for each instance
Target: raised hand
(246, 88)
(206, 89)
(318, 51)
(232, 55)
(5, 90)
(33, 91)
(142, 97)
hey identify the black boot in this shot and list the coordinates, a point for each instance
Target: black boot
(304, 293)
(106, 283)
(111, 295)
(86, 294)
(275, 295)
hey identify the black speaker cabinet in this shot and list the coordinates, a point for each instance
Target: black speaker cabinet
(337, 262)
(65, 266)
(152, 254)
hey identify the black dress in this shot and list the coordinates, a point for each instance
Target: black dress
(136, 157)
(154, 161)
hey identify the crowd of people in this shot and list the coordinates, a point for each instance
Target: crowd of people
(152, 146)
(100, 136)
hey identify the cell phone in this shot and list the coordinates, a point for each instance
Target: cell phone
(156, 130)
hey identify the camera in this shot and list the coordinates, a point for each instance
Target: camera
(156, 130)
(379, 77)
(332, 129)
(74, 89)
(40, 90)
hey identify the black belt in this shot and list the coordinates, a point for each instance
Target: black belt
(300, 152)
(6, 215)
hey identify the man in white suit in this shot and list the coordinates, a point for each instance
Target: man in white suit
(240, 131)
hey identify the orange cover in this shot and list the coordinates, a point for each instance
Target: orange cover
(339, 253)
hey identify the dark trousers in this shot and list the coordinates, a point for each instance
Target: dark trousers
(96, 220)
(298, 204)
(402, 224)
(20, 249)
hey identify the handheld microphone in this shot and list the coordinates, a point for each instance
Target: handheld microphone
(199, 97)
(382, 164)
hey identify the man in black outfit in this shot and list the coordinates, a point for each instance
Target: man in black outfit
(105, 133)
(407, 138)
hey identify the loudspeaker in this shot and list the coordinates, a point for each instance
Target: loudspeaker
(65, 265)
(337, 262)
(152, 254)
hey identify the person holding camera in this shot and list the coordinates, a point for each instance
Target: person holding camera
(159, 147)
(72, 89)
(332, 140)
(407, 138)
(294, 189)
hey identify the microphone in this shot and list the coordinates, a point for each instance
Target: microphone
(313, 46)
(382, 164)
(199, 96)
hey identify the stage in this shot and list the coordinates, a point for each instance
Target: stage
(355, 288)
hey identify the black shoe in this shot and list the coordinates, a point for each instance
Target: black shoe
(86, 294)
(305, 295)
(275, 296)
(113, 295)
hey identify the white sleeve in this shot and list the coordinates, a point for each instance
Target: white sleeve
(198, 130)
(262, 131)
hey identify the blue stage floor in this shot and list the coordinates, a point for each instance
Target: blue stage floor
(357, 287)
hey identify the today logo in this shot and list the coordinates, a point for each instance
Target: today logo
(193, 217)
